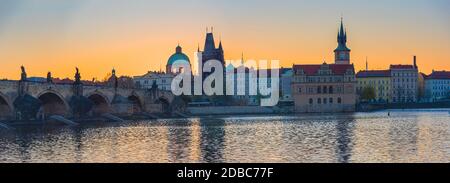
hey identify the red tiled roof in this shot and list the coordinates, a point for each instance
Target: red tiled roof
(373, 73)
(402, 67)
(338, 69)
(439, 75)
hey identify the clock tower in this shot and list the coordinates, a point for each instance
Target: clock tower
(342, 53)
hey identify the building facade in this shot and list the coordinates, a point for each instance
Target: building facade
(326, 87)
(437, 86)
(161, 80)
(405, 83)
(377, 80)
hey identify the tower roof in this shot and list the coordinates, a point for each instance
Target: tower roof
(209, 42)
(178, 56)
(342, 38)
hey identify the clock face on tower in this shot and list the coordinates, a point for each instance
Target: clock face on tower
(342, 56)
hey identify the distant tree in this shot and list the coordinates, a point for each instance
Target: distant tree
(368, 94)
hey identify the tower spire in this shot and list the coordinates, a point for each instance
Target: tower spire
(242, 59)
(367, 64)
(342, 52)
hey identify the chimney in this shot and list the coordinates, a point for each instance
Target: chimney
(415, 64)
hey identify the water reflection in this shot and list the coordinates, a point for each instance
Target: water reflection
(360, 137)
(212, 139)
(344, 129)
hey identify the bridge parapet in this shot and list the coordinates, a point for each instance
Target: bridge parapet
(56, 98)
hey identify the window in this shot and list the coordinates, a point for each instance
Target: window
(331, 89)
(310, 101)
(324, 89)
(339, 100)
(324, 100)
(319, 100)
(319, 89)
(299, 90)
(331, 100)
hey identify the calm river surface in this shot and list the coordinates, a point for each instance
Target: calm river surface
(404, 136)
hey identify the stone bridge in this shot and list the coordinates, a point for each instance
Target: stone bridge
(54, 99)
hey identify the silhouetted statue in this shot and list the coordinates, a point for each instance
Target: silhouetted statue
(49, 77)
(154, 86)
(115, 80)
(77, 76)
(23, 76)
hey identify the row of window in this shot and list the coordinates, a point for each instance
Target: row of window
(374, 82)
(404, 87)
(441, 87)
(151, 81)
(318, 79)
(441, 82)
(404, 74)
(441, 93)
(405, 79)
(325, 100)
(381, 88)
(409, 92)
(320, 90)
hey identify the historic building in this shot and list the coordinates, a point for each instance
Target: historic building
(178, 57)
(161, 80)
(326, 87)
(437, 86)
(377, 80)
(210, 52)
(405, 85)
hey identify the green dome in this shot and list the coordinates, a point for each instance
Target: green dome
(178, 56)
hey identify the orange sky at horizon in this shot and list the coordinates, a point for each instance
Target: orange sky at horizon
(134, 43)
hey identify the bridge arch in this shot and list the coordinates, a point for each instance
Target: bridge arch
(165, 104)
(53, 103)
(6, 109)
(137, 103)
(101, 103)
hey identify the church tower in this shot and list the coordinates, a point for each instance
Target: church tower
(342, 52)
(210, 52)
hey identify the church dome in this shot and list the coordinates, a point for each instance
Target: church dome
(178, 56)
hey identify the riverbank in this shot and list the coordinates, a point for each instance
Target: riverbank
(366, 107)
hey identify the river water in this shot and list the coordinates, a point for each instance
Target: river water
(404, 136)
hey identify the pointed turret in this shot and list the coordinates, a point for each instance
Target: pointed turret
(242, 59)
(342, 52)
(220, 46)
(209, 42)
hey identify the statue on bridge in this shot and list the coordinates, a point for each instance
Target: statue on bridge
(23, 76)
(77, 76)
(49, 77)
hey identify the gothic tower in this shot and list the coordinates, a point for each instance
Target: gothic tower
(342, 52)
(210, 52)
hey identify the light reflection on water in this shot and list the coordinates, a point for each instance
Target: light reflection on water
(414, 136)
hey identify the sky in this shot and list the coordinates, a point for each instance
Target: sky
(136, 36)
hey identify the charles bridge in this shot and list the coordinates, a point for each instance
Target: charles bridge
(18, 98)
